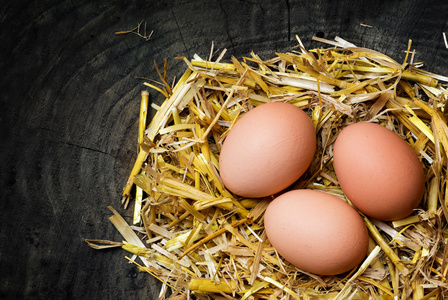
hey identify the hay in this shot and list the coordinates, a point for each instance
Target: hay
(199, 239)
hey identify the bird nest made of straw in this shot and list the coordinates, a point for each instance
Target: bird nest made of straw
(201, 241)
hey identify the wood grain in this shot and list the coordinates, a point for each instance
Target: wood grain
(69, 107)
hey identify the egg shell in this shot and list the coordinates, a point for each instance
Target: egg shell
(317, 232)
(267, 150)
(378, 171)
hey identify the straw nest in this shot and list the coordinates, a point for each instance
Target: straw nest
(203, 242)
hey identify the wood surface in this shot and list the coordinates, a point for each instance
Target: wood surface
(70, 93)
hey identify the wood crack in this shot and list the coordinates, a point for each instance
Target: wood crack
(87, 148)
(180, 33)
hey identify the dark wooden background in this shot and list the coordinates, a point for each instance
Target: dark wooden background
(69, 94)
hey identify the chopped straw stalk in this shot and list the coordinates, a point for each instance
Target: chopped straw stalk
(199, 239)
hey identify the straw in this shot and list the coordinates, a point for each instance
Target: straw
(201, 240)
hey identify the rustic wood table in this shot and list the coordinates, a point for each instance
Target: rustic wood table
(70, 93)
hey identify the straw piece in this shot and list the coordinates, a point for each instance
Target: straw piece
(207, 285)
(142, 156)
(212, 236)
(342, 294)
(248, 244)
(375, 283)
(396, 235)
(102, 244)
(126, 231)
(141, 131)
(426, 80)
(378, 106)
(213, 65)
(433, 195)
(385, 247)
(191, 210)
(161, 231)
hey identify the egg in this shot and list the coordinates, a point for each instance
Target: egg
(378, 171)
(316, 232)
(267, 149)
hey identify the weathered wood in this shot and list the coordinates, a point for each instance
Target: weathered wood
(69, 107)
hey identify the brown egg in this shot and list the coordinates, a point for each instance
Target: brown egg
(267, 150)
(378, 171)
(316, 232)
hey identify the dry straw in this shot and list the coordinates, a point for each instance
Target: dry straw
(203, 242)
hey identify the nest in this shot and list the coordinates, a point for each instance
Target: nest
(201, 241)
